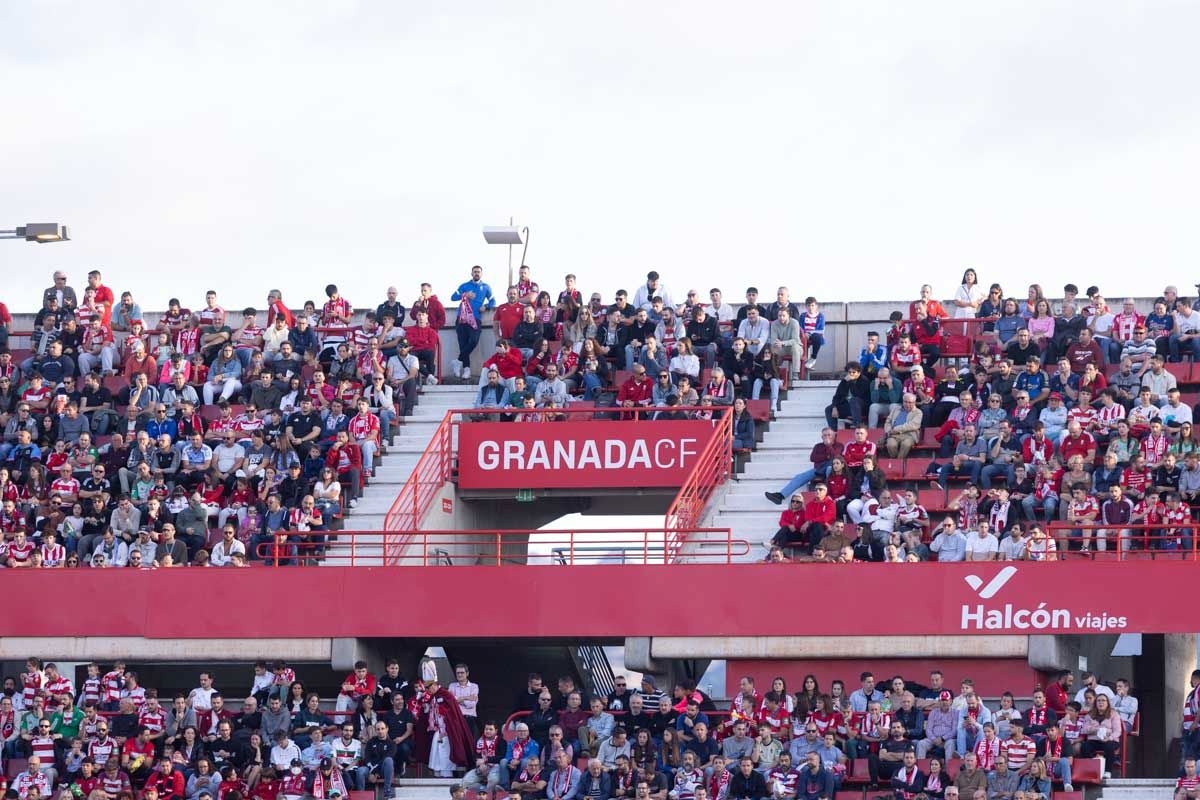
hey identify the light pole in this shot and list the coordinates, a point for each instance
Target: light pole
(40, 232)
(508, 235)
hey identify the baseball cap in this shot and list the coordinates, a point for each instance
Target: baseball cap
(945, 695)
(1055, 396)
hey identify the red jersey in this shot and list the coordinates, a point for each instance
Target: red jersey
(169, 320)
(906, 359)
(856, 451)
(360, 688)
(1136, 481)
(507, 315)
(187, 341)
(363, 427)
(1071, 446)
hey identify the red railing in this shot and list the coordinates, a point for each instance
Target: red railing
(1129, 542)
(712, 469)
(436, 466)
(573, 547)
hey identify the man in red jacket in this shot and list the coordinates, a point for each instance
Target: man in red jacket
(507, 361)
(423, 339)
(819, 514)
(429, 303)
(346, 458)
(1059, 692)
(166, 780)
(636, 391)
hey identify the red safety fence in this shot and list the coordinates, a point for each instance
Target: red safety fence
(1127, 542)
(571, 547)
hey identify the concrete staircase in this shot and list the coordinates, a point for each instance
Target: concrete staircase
(1137, 789)
(424, 788)
(782, 453)
(403, 451)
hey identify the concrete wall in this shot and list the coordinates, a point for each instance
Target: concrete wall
(106, 648)
(861, 647)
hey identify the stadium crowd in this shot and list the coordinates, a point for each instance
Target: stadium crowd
(113, 738)
(1066, 429)
(211, 437)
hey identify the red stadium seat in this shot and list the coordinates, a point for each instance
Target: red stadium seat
(934, 500)
(914, 469)
(1086, 771)
(893, 468)
(956, 346)
(1182, 371)
(759, 409)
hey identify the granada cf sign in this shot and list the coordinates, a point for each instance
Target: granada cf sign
(579, 455)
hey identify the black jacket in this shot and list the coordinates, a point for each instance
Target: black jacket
(702, 333)
(752, 787)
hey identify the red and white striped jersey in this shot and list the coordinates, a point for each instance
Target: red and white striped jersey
(154, 720)
(1018, 754)
(31, 684)
(91, 690)
(112, 683)
(100, 751)
(43, 748)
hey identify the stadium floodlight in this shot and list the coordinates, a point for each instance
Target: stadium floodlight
(509, 235)
(40, 232)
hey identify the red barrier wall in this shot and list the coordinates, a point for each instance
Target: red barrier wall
(542, 601)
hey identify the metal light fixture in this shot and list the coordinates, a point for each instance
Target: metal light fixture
(508, 235)
(40, 232)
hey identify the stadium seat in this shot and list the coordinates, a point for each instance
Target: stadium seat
(956, 346)
(914, 469)
(1182, 371)
(932, 499)
(1086, 771)
(893, 468)
(860, 774)
(759, 409)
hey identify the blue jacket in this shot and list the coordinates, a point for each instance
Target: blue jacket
(483, 297)
(531, 749)
(585, 785)
(743, 428)
(303, 341)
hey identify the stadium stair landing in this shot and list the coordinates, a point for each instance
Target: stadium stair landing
(783, 452)
(394, 470)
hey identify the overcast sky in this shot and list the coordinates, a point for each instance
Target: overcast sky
(850, 150)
